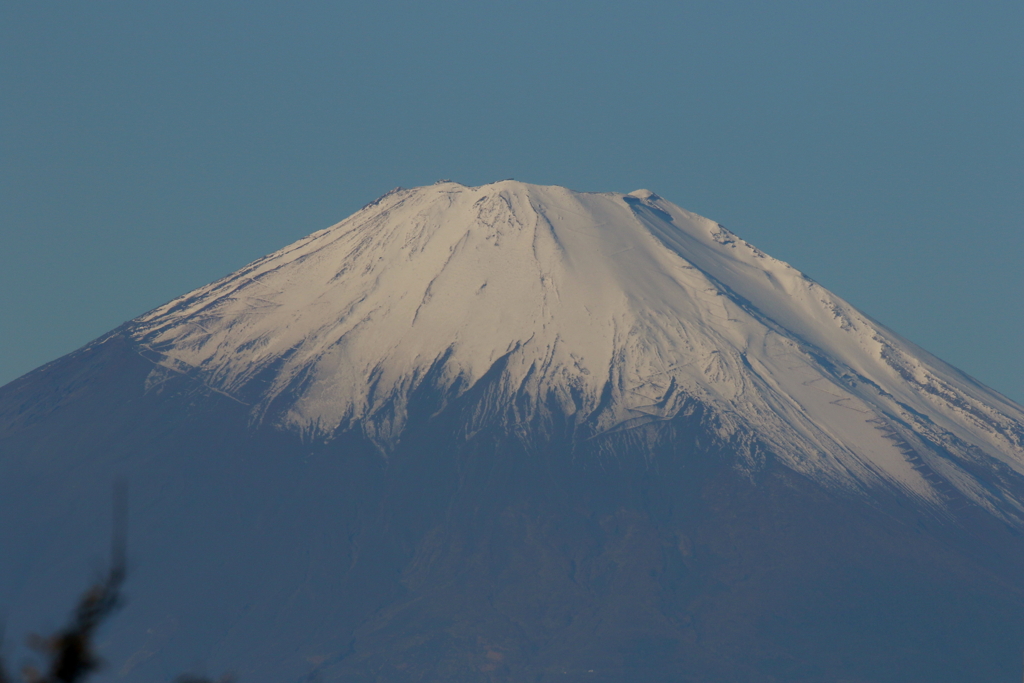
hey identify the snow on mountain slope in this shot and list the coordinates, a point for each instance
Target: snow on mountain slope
(616, 310)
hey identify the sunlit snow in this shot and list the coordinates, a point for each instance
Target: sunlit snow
(621, 310)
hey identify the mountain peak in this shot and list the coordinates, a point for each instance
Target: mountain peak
(644, 194)
(604, 311)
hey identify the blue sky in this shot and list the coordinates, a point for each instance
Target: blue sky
(149, 148)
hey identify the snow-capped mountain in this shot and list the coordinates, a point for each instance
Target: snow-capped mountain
(518, 433)
(614, 310)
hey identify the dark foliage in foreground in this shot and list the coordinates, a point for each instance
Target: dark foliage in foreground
(70, 653)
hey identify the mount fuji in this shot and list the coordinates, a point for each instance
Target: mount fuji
(515, 432)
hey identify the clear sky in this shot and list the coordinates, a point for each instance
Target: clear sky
(151, 147)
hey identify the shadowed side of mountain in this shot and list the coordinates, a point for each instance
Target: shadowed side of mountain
(472, 554)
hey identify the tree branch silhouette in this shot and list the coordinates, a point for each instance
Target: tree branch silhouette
(70, 653)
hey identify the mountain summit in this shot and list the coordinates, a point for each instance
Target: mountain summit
(515, 432)
(615, 311)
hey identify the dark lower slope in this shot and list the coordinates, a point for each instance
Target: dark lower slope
(475, 559)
